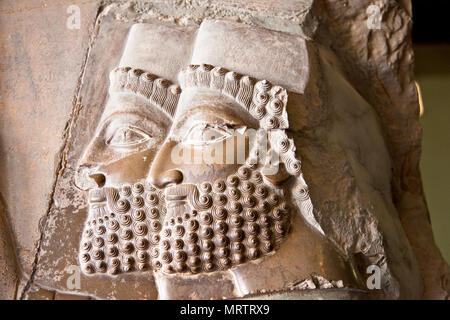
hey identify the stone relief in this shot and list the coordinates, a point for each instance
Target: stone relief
(196, 179)
(236, 218)
(147, 201)
(128, 134)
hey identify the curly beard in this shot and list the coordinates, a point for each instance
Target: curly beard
(122, 225)
(220, 225)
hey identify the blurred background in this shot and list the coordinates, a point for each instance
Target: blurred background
(431, 37)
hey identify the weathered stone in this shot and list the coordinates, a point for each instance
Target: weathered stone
(39, 72)
(37, 293)
(379, 64)
(9, 272)
(352, 113)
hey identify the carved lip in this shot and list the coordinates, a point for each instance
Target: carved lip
(96, 205)
(97, 195)
(179, 192)
(176, 203)
(171, 197)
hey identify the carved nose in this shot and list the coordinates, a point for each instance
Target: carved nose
(98, 178)
(163, 171)
(166, 178)
(88, 177)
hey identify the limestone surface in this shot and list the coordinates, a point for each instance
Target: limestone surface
(353, 115)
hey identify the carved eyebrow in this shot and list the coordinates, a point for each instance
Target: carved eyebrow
(124, 114)
(215, 116)
(131, 116)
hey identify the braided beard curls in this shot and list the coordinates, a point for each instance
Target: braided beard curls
(223, 224)
(122, 226)
(226, 223)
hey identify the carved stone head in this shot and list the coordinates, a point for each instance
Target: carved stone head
(197, 181)
(134, 124)
(223, 209)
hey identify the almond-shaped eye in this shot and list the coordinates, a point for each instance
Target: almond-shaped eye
(203, 134)
(128, 136)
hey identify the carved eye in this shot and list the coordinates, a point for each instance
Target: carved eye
(204, 134)
(128, 136)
